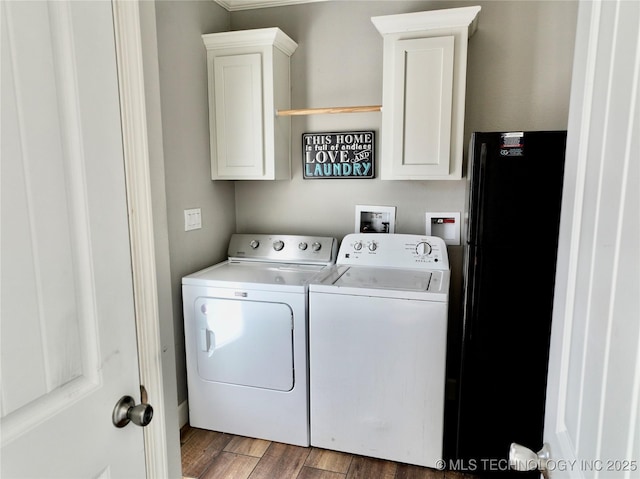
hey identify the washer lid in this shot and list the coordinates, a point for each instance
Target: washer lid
(384, 283)
(384, 278)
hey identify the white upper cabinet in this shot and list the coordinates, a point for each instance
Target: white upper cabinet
(249, 81)
(424, 81)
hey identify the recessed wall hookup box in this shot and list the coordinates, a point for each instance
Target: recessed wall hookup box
(375, 219)
(445, 226)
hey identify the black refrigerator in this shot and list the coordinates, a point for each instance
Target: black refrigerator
(514, 196)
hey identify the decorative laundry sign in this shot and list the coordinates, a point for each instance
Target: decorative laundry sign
(345, 154)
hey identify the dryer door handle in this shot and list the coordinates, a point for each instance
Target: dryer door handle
(207, 341)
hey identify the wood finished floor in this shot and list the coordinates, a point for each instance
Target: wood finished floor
(215, 455)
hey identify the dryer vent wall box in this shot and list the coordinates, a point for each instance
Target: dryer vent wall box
(445, 226)
(375, 219)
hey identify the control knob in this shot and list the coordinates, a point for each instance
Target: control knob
(254, 244)
(278, 245)
(373, 246)
(303, 246)
(316, 246)
(357, 245)
(423, 248)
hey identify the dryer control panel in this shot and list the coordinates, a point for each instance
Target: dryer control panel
(394, 251)
(283, 248)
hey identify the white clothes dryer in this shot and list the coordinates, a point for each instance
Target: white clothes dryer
(377, 342)
(246, 337)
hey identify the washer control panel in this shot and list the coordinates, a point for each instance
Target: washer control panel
(283, 248)
(394, 251)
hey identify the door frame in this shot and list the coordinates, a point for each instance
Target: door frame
(128, 34)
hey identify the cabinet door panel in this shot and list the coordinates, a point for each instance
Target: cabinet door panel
(423, 92)
(238, 113)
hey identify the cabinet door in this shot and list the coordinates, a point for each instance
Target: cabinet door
(422, 106)
(237, 143)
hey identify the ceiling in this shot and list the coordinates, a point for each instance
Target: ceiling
(233, 5)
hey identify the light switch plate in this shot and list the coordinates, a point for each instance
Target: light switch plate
(192, 219)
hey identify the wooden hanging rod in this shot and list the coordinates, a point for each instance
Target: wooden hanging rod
(334, 109)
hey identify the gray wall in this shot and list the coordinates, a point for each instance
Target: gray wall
(519, 72)
(185, 129)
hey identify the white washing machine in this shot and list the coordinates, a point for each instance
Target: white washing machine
(377, 343)
(246, 337)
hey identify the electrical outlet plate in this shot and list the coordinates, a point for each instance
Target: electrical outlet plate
(375, 219)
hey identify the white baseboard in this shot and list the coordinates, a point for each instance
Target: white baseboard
(183, 413)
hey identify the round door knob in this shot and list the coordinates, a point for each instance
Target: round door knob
(423, 248)
(357, 246)
(316, 246)
(278, 245)
(373, 246)
(254, 244)
(303, 246)
(126, 411)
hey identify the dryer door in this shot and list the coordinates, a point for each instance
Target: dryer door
(248, 343)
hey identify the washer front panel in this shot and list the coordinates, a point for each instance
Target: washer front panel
(378, 376)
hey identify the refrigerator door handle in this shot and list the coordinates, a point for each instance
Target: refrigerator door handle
(479, 201)
(475, 292)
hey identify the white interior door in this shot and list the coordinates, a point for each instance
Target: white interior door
(592, 409)
(68, 331)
